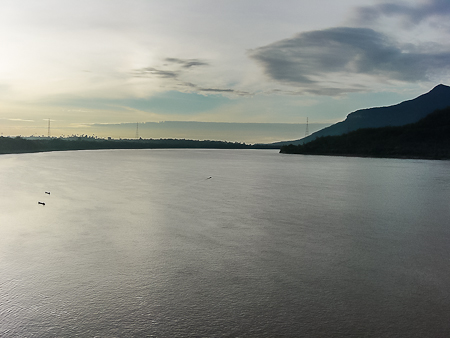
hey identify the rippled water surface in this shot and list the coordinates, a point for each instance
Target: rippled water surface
(136, 243)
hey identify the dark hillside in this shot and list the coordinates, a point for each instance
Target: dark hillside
(429, 139)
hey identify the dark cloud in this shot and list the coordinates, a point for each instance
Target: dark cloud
(176, 74)
(175, 68)
(215, 90)
(327, 91)
(309, 58)
(187, 63)
(149, 72)
(225, 91)
(412, 13)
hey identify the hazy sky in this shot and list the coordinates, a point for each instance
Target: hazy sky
(83, 63)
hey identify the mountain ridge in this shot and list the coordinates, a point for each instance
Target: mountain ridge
(399, 114)
(429, 138)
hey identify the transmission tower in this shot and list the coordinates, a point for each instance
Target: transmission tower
(307, 129)
(48, 129)
(137, 130)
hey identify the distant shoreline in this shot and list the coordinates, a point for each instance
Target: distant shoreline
(20, 145)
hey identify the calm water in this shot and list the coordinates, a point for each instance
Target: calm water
(139, 243)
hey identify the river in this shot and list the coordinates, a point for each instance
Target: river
(222, 243)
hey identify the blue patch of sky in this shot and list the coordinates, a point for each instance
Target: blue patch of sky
(172, 102)
(324, 110)
(177, 103)
(329, 108)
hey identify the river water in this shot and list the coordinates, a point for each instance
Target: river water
(223, 243)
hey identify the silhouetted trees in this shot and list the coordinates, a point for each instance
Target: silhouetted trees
(23, 145)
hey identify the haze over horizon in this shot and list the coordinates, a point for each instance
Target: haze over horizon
(108, 62)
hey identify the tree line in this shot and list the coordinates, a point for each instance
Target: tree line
(23, 145)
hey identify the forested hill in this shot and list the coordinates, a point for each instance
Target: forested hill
(22, 145)
(427, 139)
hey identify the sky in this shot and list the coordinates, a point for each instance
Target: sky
(91, 66)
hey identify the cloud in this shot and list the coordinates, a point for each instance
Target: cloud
(215, 90)
(326, 91)
(19, 120)
(338, 60)
(224, 91)
(187, 63)
(177, 69)
(150, 72)
(412, 14)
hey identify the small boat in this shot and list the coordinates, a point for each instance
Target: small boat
(47, 192)
(42, 203)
